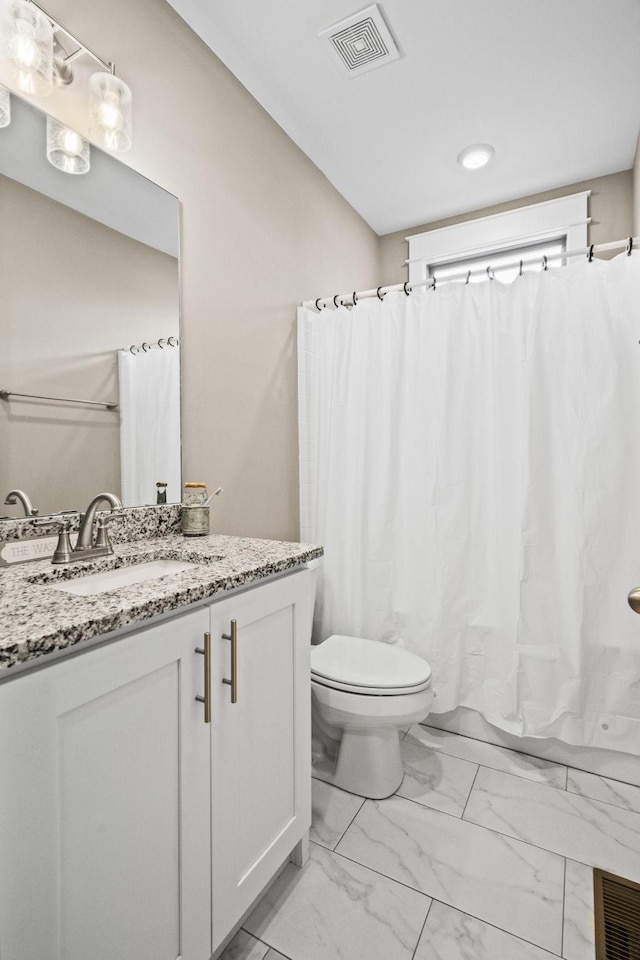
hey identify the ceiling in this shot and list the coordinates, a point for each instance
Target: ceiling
(553, 85)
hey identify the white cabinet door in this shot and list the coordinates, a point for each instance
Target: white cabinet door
(260, 746)
(104, 803)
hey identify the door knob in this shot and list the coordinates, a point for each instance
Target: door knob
(634, 599)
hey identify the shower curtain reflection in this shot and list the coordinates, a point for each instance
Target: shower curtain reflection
(467, 462)
(149, 424)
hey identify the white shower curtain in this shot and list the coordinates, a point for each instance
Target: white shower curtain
(149, 424)
(470, 459)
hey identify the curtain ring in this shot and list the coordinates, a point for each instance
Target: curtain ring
(629, 246)
(354, 297)
(319, 304)
(590, 254)
(544, 262)
(160, 342)
(520, 272)
(467, 281)
(379, 295)
(145, 347)
(133, 349)
(490, 273)
(406, 287)
(172, 341)
(335, 301)
(433, 285)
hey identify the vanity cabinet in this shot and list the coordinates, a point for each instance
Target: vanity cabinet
(104, 808)
(130, 829)
(260, 745)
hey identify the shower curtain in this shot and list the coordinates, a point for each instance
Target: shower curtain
(149, 424)
(470, 460)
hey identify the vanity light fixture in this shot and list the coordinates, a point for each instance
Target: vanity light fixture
(476, 156)
(5, 107)
(41, 52)
(66, 149)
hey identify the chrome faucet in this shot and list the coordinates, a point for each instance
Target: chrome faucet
(14, 495)
(84, 546)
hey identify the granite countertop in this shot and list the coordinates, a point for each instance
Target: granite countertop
(36, 620)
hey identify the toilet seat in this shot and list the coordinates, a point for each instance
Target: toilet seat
(368, 667)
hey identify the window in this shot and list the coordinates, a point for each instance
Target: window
(501, 264)
(528, 233)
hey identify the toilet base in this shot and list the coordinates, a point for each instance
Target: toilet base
(357, 737)
(369, 763)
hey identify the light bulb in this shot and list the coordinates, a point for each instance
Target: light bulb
(109, 113)
(25, 48)
(71, 142)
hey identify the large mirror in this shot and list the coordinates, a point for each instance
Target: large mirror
(89, 281)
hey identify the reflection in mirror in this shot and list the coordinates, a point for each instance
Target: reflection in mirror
(88, 269)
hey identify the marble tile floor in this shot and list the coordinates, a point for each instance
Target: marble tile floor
(482, 854)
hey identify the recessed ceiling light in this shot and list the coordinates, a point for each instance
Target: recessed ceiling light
(476, 156)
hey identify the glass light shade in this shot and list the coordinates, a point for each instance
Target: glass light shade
(109, 112)
(28, 46)
(66, 149)
(5, 107)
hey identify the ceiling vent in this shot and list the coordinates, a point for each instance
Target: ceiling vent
(362, 42)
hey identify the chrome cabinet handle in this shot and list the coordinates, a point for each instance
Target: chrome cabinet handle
(233, 683)
(207, 677)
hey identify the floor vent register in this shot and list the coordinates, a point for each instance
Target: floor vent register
(617, 917)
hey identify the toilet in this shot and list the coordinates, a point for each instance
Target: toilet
(362, 693)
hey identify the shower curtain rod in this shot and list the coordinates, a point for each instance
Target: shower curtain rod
(350, 299)
(145, 347)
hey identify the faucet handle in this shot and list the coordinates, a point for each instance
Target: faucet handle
(102, 537)
(63, 551)
(51, 522)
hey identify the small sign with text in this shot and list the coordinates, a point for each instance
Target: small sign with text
(32, 548)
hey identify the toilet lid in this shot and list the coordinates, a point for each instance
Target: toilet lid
(368, 665)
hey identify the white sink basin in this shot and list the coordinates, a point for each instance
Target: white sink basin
(122, 577)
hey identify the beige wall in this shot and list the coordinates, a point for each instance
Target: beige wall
(262, 230)
(610, 208)
(73, 293)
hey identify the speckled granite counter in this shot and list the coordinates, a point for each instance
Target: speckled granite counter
(36, 620)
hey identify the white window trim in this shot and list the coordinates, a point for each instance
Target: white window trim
(565, 217)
